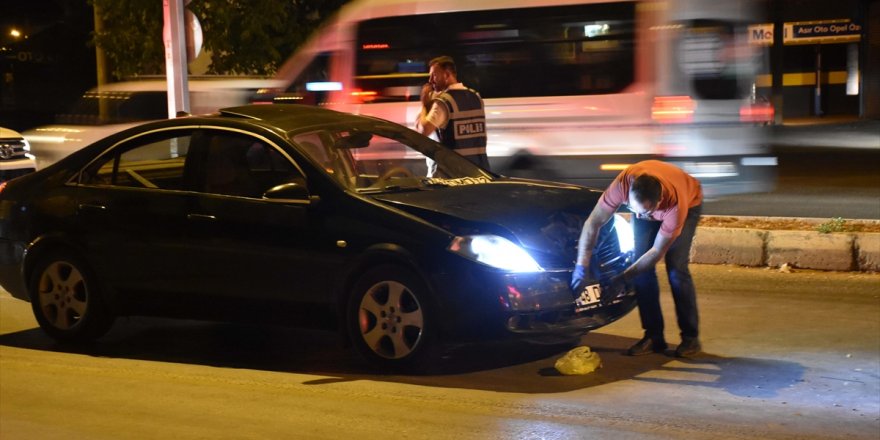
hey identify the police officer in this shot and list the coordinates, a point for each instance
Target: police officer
(454, 112)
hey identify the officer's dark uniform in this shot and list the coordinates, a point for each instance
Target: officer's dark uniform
(465, 131)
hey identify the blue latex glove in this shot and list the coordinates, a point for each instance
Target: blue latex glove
(578, 279)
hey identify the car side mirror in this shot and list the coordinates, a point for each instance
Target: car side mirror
(296, 191)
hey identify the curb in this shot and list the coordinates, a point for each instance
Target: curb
(803, 249)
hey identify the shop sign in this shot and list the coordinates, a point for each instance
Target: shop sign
(822, 32)
(761, 34)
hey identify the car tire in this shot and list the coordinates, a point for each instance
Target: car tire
(390, 319)
(66, 299)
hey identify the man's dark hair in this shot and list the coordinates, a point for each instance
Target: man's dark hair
(646, 188)
(445, 62)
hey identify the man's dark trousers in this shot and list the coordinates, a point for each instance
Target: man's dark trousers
(683, 291)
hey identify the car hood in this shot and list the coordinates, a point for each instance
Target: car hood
(6, 133)
(545, 218)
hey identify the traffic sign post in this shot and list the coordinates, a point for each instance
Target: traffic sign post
(175, 57)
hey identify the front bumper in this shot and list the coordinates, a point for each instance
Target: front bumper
(10, 169)
(487, 304)
(544, 303)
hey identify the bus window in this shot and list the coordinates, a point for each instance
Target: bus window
(716, 59)
(546, 51)
(313, 83)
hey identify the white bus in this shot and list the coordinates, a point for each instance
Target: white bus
(574, 90)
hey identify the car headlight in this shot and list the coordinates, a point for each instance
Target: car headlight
(495, 251)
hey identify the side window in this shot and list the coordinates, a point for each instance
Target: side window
(529, 51)
(240, 165)
(318, 145)
(155, 161)
(97, 108)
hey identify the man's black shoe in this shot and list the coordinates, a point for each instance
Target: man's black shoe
(646, 346)
(689, 347)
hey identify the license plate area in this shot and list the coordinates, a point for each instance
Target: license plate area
(589, 298)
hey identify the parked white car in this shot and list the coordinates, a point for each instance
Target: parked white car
(15, 157)
(114, 107)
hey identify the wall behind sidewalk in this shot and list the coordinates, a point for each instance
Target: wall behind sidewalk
(803, 249)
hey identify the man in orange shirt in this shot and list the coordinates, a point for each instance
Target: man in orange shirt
(667, 203)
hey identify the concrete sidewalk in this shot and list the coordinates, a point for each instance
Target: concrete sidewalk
(841, 251)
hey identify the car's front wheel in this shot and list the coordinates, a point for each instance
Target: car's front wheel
(66, 299)
(390, 318)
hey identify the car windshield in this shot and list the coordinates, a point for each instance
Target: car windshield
(382, 157)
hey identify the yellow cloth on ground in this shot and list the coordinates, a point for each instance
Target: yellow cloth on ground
(579, 360)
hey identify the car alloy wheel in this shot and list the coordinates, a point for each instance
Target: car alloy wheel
(65, 301)
(389, 317)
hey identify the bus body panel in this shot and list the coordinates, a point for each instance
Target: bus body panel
(600, 121)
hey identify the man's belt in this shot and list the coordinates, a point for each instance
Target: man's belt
(471, 151)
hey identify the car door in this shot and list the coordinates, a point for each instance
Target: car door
(131, 210)
(257, 256)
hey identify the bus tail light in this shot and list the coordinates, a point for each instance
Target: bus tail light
(673, 109)
(363, 96)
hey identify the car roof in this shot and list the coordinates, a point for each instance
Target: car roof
(194, 84)
(290, 117)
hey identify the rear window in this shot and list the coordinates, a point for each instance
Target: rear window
(548, 51)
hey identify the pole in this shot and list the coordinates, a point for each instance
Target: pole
(100, 60)
(776, 61)
(175, 58)
(817, 92)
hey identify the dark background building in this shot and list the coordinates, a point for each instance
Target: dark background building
(48, 64)
(827, 60)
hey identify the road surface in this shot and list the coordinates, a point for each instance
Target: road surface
(814, 182)
(788, 355)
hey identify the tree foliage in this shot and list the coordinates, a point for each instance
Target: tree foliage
(249, 37)
(131, 36)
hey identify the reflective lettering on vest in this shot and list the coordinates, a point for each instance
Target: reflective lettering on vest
(465, 132)
(470, 128)
(466, 128)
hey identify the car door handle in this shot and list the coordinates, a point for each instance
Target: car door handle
(202, 217)
(91, 206)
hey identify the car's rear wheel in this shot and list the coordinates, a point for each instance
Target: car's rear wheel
(390, 318)
(66, 299)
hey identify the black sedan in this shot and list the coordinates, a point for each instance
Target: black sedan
(307, 217)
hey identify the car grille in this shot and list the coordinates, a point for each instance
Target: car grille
(12, 149)
(611, 261)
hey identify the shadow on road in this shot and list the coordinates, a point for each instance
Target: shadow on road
(503, 367)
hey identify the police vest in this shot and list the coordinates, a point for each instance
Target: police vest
(465, 132)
